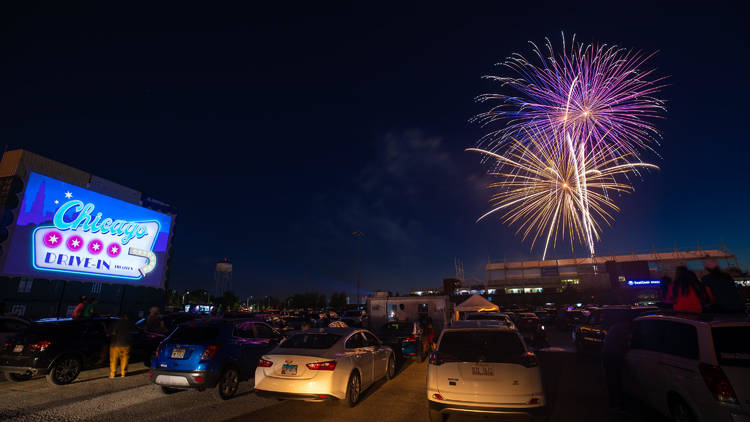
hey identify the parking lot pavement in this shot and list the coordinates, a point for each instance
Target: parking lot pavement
(95, 397)
(574, 388)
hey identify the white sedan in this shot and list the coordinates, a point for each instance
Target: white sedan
(329, 363)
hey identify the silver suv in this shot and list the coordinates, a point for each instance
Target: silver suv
(692, 368)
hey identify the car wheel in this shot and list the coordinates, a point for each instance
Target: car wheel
(436, 416)
(169, 390)
(12, 377)
(229, 383)
(680, 411)
(390, 370)
(64, 371)
(353, 390)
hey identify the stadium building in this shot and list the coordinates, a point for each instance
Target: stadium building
(65, 233)
(635, 276)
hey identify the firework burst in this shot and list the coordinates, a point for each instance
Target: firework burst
(547, 194)
(573, 124)
(597, 94)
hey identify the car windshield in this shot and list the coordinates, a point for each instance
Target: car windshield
(194, 334)
(310, 341)
(732, 345)
(482, 346)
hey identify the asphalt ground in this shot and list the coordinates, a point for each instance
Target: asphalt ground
(574, 387)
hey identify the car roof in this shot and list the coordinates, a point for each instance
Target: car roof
(341, 331)
(710, 319)
(478, 323)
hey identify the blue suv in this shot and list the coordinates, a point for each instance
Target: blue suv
(211, 354)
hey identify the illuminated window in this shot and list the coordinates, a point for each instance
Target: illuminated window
(513, 291)
(573, 281)
(24, 286)
(18, 310)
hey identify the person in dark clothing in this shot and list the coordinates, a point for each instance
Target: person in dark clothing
(154, 322)
(88, 310)
(726, 295)
(613, 359)
(120, 340)
(78, 311)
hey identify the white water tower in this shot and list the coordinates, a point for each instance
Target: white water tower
(223, 276)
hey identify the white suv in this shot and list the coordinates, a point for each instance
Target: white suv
(484, 367)
(694, 368)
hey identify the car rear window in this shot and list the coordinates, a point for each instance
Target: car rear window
(492, 317)
(482, 346)
(732, 345)
(194, 334)
(310, 341)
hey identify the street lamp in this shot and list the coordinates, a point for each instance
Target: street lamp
(358, 235)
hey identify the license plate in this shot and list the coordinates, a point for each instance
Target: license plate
(287, 369)
(178, 353)
(18, 348)
(482, 371)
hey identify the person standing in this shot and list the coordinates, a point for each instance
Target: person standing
(119, 346)
(686, 292)
(726, 296)
(154, 322)
(78, 311)
(613, 359)
(88, 311)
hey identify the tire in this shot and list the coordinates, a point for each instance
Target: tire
(436, 416)
(390, 369)
(680, 411)
(64, 371)
(13, 377)
(353, 390)
(229, 383)
(169, 390)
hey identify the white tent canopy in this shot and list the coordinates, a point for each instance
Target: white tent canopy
(476, 303)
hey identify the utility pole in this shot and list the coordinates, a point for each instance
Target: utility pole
(357, 236)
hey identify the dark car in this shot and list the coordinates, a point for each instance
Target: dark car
(216, 353)
(589, 335)
(403, 340)
(569, 319)
(59, 349)
(149, 340)
(10, 326)
(532, 329)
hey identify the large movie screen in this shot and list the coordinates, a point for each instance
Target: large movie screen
(65, 231)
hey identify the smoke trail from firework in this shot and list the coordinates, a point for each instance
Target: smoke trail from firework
(547, 194)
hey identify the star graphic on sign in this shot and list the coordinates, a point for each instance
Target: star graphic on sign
(75, 243)
(68, 195)
(53, 239)
(56, 202)
(114, 249)
(96, 246)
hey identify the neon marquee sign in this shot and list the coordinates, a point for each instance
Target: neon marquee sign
(95, 246)
(72, 230)
(644, 282)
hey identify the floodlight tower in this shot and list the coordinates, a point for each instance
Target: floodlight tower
(223, 276)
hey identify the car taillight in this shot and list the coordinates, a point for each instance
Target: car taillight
(322, 366)
(210, 351)
(158, 349)
(198, 379)
(534, 400)
(718, 383)
(437, 396)
(264, 363)
(529, 360)
(39, 346)
(412, 338)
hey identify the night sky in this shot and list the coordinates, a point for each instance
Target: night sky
(277, 133)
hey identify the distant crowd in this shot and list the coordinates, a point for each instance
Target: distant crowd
(715, 292)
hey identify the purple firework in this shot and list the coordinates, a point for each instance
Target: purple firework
(597, 95)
